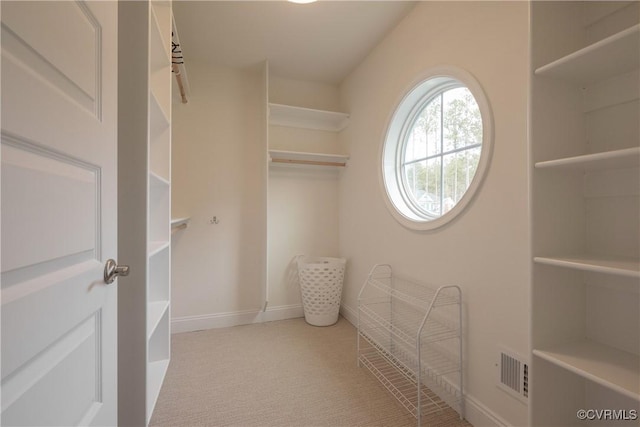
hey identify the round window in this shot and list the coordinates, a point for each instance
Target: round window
(436, 149)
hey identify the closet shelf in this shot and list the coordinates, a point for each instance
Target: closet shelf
(159, 53)
(617, 159)
(179, 223)
(155, 311)
(156, 372)
(158, 120)
(312, 159)
(157, 180)
(618, 266)
(159, 100)
(156, 247)
(161, 48)
(609, 57)
(612, 368)
(307, 118)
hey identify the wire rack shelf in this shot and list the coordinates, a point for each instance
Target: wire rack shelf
(410, 339)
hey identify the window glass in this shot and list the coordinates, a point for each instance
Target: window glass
(434, 148)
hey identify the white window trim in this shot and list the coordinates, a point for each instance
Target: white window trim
(391, 148)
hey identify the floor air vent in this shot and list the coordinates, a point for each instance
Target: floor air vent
(513, 375)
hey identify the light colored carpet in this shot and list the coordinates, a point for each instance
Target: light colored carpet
(284, 373)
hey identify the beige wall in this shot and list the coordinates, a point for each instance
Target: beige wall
(319, 96)
(219, 169)
(486, 249)
(303, 219)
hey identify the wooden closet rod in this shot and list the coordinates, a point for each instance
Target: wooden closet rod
(309, 162)
(176, 71)
(178, 227)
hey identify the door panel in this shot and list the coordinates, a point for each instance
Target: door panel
(71, 366)
(58, 213)
(56, 205)
(69, 61)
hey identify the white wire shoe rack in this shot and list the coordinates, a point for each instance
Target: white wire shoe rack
(410, 339)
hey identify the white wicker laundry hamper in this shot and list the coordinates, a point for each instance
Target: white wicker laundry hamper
(321, 281)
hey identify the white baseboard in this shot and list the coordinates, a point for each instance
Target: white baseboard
(475, 412)
(235, 318)
(350, 314)
(479, 415)
(282, 312)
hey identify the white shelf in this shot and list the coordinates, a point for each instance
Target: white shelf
(159, 120)
(158, 351)
(156, 247)
(176, 222)
(155, 311)
(179, 224)
(156, 372)
(160, 49)
(615, 369)
(307, 118)
(618, 266)
(302, 158)
(159, 181)
(617, 159)
(159, 139)
(158, 57)
(160, 91)
(159, 275)
(609, 57)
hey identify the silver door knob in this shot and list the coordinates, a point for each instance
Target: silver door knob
(113, 270)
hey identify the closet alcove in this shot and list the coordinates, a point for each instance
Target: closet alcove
(305, 157)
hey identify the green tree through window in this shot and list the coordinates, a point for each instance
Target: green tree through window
(442, 151)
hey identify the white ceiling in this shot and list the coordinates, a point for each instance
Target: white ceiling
(320, 42)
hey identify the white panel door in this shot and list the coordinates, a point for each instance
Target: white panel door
(58, 213)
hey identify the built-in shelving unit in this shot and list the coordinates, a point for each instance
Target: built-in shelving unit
(319, 122)
(585, 209)
(144, 335)
(159, 203)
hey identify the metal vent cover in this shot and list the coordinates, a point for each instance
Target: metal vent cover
(513, 374)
